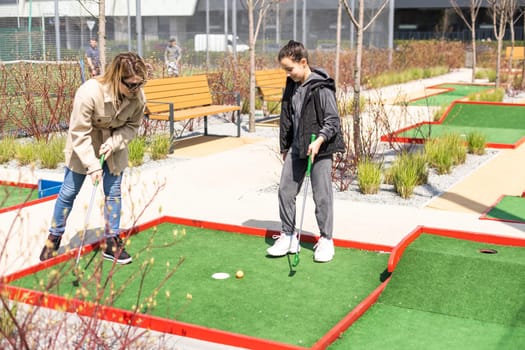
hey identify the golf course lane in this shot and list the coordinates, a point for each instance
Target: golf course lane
(445, 293)
(171, 277)
(458, 91)
(11, 195)
(500, 123)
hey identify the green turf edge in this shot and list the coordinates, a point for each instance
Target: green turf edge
(14, 195)
(410, 312)
(296, 310)
(389, 327)
(509, 208)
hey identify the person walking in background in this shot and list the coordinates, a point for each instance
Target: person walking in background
(107, 112)
(172, 56)
(93, 57)
(308, 107)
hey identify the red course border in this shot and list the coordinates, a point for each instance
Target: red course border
(393, 137)
(484, 215)
(28, 203)
(218, 336)
(177, 327)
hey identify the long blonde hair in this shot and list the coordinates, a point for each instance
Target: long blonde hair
(123, 66)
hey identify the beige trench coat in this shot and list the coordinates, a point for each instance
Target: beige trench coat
(94, 121)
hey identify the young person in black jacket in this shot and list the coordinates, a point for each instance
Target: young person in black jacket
(308, 107)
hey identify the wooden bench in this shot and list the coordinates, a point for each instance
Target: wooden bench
(184, 99)
(270, 85)
(517, 54)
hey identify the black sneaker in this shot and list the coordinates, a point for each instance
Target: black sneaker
(51, 247)
(115, 251)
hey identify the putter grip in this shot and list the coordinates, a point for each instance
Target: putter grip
(309, 167)
(101, 165)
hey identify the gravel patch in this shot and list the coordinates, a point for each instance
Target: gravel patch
(436, 185)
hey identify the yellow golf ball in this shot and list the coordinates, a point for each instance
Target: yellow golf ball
(239, 274)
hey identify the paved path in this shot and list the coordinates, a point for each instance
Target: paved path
(225, 185)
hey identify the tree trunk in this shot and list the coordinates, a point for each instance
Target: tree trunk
(251, 44)
(523, 61)
(358, 149)
(473, 38)
(102, 34)
(338, 42)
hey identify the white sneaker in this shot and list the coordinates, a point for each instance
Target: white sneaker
(283, 245)
(324, 250)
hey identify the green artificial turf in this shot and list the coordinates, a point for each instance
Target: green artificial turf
(445, 294)
(267, 303)
(510, 208)
(501, 124)
(14, 195)
(446, 98)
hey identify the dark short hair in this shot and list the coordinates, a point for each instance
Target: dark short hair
(293, 50)
(172, 40)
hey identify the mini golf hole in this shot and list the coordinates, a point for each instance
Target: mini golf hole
(488, 251)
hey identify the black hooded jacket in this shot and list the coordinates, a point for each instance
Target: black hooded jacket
(313, 119)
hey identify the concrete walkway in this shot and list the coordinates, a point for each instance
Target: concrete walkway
(227, 185)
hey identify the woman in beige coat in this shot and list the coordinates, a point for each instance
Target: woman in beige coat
(106, 116)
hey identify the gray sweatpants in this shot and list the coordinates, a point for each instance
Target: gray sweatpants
(292, 176)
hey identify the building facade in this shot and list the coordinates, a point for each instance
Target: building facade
(33, 29)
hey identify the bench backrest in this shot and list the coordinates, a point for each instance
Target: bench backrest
(270, 82)
(517, 53)
(183, 92)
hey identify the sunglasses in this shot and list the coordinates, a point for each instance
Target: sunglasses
(132, 86)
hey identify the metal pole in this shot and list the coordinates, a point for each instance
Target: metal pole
(129, 27)
(391, 31)
(277, 24)
(207, 33)
(43, 37)
(304, 24)
(226, 23)
(294, 19)
(234, 28)
(29, 27)
(139, 28)
(57, 30)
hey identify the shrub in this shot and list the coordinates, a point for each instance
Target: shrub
(446, 151)
(51, 153)
(368, 176)
(438, 113)
(7, 323)
(25, 153)
(457, 146)
(405, 174)
(418, 160)
(137, 148)
(476, 141)
(482, 73)
(398, 77)
(492, 95)
(7, 149)
(438, 156)
(160, 146)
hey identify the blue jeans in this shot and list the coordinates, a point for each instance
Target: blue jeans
(69, 191)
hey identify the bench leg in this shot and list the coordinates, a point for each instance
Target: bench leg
(172, 129)
(238, 123)
(205, 125)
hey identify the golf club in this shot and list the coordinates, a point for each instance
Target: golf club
(86, 222)
(306, 183)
